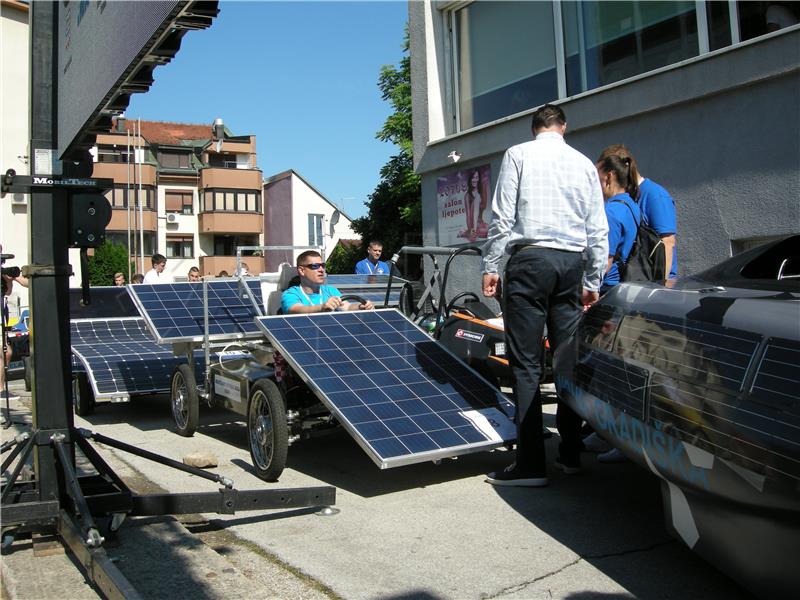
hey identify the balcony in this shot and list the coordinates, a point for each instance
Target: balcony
(239, 179)
(230, 222)
(212, 265)
(119, 172)
(119, 220)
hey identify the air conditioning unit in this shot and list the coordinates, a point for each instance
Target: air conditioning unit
(19, 198)
(172, 217)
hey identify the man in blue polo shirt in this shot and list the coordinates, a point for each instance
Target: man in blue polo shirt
(373, 265)
(658, 208)
(311, 295)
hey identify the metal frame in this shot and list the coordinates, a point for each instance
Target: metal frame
(431, 455)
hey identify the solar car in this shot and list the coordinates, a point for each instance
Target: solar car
(700, 385)
(401, 395)
(114, 356)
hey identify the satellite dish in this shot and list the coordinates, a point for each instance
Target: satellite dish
(334, 220)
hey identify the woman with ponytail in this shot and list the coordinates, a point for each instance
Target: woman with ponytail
(657, 206)
(620, 187)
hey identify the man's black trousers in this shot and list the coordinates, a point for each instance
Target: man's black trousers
(542, 286)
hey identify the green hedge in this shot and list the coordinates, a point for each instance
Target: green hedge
(108, 259)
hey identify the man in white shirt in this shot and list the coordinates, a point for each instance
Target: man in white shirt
(546, 211)
(159, 262)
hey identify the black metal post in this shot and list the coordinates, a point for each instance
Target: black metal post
(48, 219)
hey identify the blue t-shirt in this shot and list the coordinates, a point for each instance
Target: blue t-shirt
(658, 208)
(621, 232)
(365, 267)
(296, 295)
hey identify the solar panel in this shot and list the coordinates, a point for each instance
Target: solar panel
(369, 287)
(403, 397)
(174, 311)
(345, 280)
(121, 358)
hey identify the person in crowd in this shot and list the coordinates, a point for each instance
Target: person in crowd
(622, 213)
(475, 200)
(311, 295)
(159, 262)
(194, 274)
(119, 279)
(137, 278)
(372, 264)
(547, 211)
(6, 350)
(658, 209)
(223, 273)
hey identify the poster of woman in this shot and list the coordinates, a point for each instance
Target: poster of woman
(463, 203)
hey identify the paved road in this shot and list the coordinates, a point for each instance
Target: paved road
(424, 531)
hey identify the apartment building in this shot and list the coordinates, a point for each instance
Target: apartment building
(705, 94)
(298, 214)
(190, 192)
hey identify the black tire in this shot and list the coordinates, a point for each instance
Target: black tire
(28, 372)
(184, 401)
(267, 431)
(82, 395)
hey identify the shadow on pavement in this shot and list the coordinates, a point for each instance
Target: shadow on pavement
(612, 510)
(337, 460)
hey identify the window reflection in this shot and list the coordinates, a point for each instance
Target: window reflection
(759, 18)
(610, 41)
(506, 59)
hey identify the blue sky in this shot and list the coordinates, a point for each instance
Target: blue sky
(302, 77)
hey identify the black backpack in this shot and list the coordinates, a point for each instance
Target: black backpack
(647, 260)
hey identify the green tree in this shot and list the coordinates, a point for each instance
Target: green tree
(343, 259)
(395, 209)
(108, 259)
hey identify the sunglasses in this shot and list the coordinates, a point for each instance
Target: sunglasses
(314, 266)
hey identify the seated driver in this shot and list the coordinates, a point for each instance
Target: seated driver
(311, 295)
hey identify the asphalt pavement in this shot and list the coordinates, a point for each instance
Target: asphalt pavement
(427, 531)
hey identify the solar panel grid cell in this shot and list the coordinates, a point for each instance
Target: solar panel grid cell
(175, 311)
(395, 388)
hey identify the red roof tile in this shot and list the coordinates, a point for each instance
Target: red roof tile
(160, 132)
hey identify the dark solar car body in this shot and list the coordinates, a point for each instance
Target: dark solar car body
(700, 384)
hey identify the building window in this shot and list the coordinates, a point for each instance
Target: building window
(119, 196)
(230, 200)
(610, 41)
(315, 230)
(493, 80)
(742, 245)
(603, 42)
(178, 201)
(121, 237)
(180, 246)
(225, 245)
(112, 154)
(223, 161)
(174, 160)
(719, 24)
(760, 18)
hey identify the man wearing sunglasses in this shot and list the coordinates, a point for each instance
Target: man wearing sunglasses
(311, 295)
